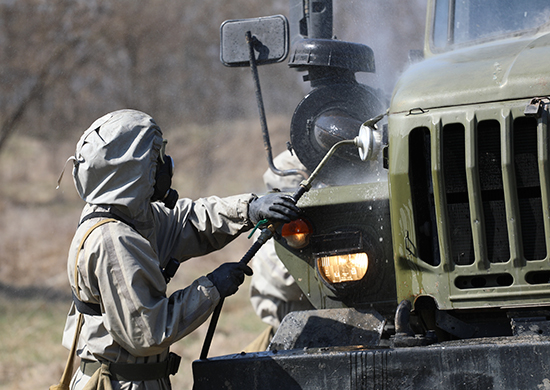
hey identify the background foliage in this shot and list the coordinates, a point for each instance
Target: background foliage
(67, 62)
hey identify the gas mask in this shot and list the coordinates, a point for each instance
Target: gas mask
(163, 181)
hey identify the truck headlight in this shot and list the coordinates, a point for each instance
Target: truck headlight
(343, 267)
(297, 233)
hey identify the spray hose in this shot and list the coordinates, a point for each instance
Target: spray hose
(267, 231)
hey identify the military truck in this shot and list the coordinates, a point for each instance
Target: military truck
(429, 262)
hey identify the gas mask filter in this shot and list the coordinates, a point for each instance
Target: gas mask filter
(163, 181)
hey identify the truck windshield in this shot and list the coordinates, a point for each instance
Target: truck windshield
(458, 22)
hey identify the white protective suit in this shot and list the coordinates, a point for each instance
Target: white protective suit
(273, 291)
(119, 266)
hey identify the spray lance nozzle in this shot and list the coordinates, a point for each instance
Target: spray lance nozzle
(369, 140)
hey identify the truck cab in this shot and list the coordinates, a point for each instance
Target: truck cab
(428, 264)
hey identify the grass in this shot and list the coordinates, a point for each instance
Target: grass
(31, 355)
(36, 227)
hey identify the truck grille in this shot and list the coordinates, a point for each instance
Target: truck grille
(478, 189)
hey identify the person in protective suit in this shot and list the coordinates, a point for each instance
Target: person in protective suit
(127, 246)
(273, 291)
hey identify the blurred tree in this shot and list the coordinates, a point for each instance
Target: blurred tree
(66, 62)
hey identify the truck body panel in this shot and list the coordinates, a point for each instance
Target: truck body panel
(508, 69)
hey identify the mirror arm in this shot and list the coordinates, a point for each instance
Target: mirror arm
(251, 41)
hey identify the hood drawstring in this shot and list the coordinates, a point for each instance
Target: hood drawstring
(73, 158)
(162, 151)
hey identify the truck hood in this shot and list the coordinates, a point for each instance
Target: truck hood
(508, 69)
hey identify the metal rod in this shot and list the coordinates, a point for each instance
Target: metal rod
(307, 183)
(250, 40)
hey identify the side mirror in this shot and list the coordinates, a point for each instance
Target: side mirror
(270, 40)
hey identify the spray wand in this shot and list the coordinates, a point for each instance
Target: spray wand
(364, 142)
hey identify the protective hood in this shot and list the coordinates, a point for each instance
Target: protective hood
(116, 160)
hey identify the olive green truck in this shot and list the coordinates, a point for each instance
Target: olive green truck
(428, 258)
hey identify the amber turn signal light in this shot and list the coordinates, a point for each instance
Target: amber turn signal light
(297, 233)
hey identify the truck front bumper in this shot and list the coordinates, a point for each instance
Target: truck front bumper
(490, 363)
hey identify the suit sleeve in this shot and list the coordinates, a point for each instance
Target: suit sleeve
(196, 228)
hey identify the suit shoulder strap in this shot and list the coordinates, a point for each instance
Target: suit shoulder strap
(108, 215)
(86, 307)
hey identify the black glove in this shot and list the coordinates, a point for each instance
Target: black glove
(228, 277)
(275, 207)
